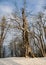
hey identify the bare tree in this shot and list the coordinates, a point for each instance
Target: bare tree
(3, 32)
(23, 26)
(39, 33)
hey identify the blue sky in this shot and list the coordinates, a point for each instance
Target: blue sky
(8, 6)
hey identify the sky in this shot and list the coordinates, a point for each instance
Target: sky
(8, 6)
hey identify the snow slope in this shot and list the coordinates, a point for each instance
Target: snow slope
(23, 61)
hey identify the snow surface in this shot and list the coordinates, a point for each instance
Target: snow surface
(23, 61)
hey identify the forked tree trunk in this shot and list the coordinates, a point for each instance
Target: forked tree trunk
(25, 34)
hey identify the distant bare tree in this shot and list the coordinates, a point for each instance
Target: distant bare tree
(3, 32)
(39, 33)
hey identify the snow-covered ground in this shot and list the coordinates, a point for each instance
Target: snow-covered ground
(23, 61)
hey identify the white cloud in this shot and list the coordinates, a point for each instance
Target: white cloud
(4, 9)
